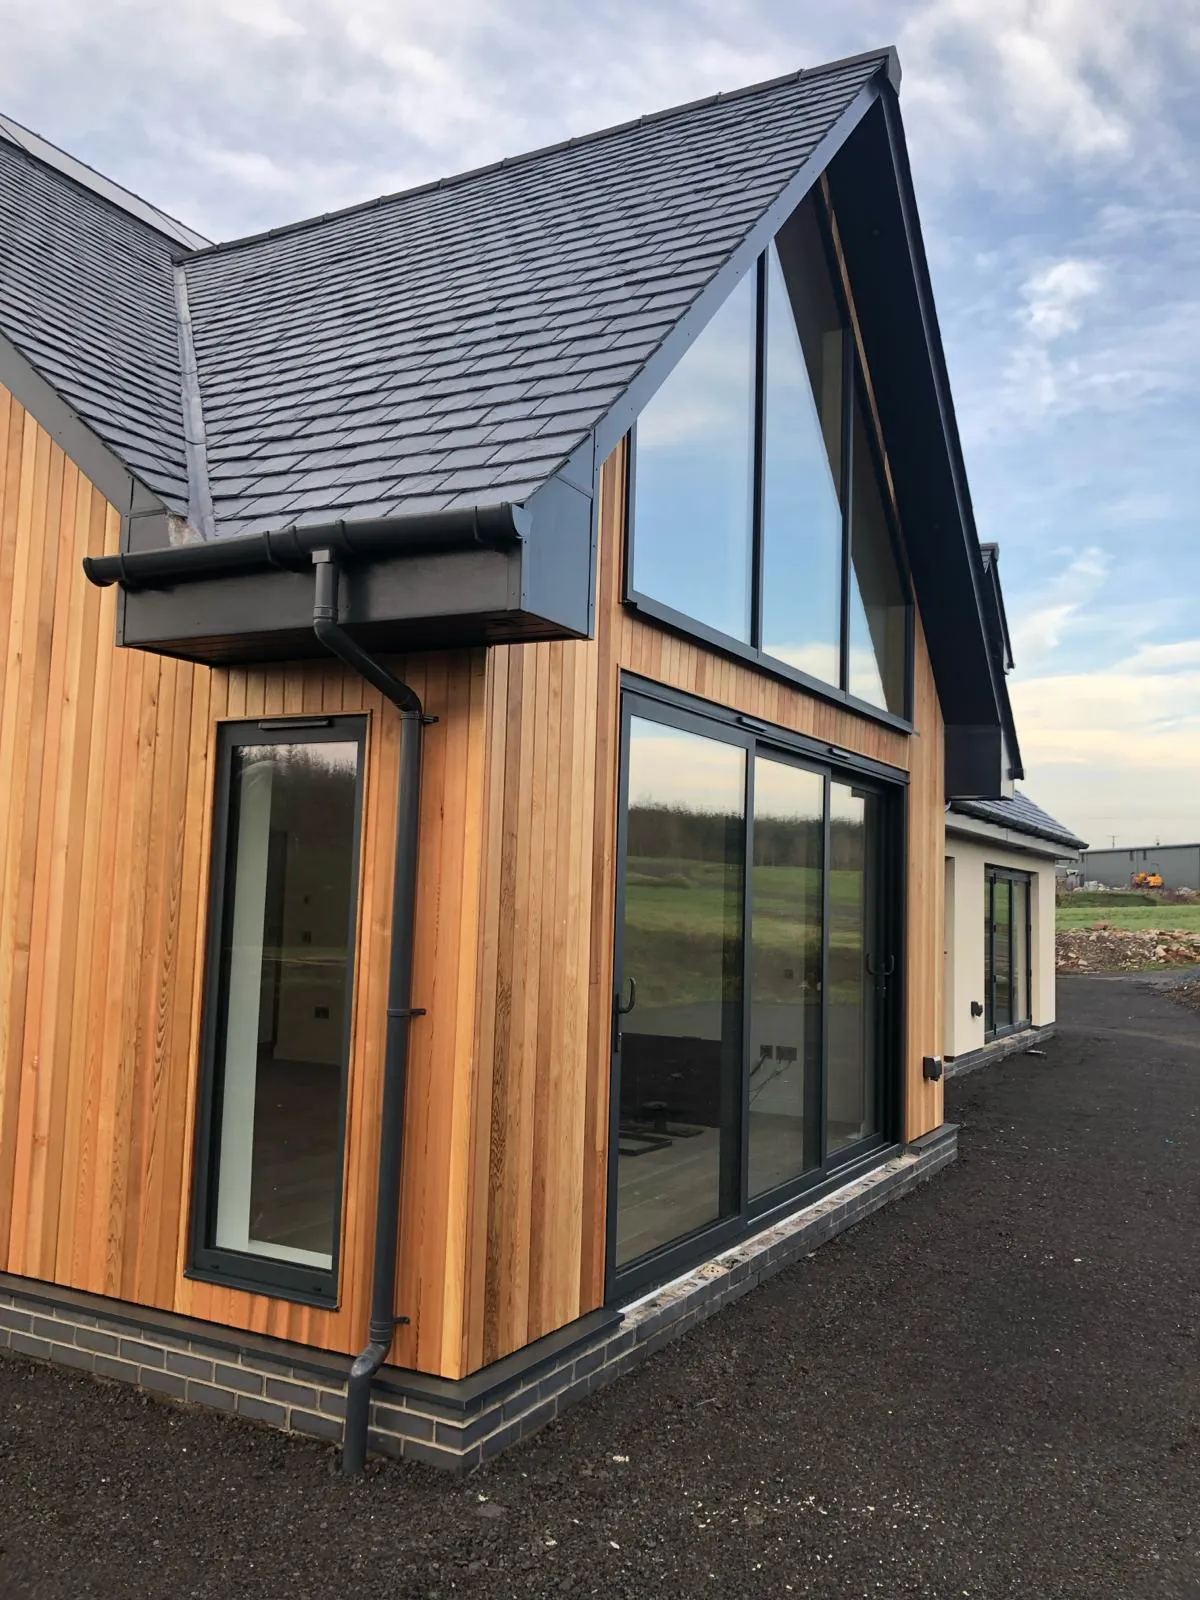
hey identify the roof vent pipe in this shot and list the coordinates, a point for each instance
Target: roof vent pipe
(400, 1010)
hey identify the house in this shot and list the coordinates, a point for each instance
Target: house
(1003, 856)
(1178, 865)
(483, 675)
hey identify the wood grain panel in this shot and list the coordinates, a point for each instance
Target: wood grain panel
(926, 899)
(106, 761)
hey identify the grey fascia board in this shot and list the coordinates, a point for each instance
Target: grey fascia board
(621, 416)
(1010, 838)
(86, 449)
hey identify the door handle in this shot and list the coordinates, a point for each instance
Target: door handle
(881, 969)
(622, 1009)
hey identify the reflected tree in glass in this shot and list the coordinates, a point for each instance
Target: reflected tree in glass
(785, 986)
(679, 1138)
(285, 966)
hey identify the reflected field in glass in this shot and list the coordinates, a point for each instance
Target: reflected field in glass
(681, 946)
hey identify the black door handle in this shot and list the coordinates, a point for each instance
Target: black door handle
(620, 1009)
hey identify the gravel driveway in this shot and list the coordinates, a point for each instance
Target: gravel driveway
(990, 1389)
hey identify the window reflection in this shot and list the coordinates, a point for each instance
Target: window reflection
(855, 989)
(285, 981)
(693, 481)
(878, 613)
(682, 947)
(785, 966)
(695, 518)
(802, 461)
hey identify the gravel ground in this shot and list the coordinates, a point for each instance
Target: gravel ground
(990, 1389)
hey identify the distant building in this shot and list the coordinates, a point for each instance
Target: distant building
(1179, 865)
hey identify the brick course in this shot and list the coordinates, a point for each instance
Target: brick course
(303, 1391)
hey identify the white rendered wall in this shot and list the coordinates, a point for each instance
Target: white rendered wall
(966, 860)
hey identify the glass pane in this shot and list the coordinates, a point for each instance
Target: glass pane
(286, 982)
(679, 1138)
(1020, 975)
(878, 614)
(802, 464)
(1002, 953)
(785, 985)
(853, 951)
(694, 472)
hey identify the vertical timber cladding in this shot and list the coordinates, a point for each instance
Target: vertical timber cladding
(537, 1206)
(106, 762)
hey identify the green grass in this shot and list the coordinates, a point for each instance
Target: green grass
(1121, 914)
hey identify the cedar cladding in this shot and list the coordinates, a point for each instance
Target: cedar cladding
(106, 761)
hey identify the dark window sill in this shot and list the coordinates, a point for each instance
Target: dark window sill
(770, 666)
(274, 1280)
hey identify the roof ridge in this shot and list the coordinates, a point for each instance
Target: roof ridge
(886, 56)
(39, 148)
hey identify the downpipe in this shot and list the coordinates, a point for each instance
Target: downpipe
(400, 1010)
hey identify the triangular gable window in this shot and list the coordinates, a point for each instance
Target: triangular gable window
(758, 517)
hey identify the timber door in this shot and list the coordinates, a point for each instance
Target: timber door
(755, 1026)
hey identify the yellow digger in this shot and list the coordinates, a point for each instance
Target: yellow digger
(1146, 880)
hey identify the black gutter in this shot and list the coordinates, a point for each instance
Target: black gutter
(294, 548)
(400, 1010)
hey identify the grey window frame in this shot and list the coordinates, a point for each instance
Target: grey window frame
(208, 1262)
(854, 388)
(991, 875)
(657, 702)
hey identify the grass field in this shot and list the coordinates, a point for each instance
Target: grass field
(1127, 912)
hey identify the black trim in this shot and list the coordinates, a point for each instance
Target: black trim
(208, 1262)
(672, 708)
(773, 734)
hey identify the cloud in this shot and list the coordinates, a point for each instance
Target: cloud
(1056, 156)
(1054, 298)
(1117, 749)
(1037, 633)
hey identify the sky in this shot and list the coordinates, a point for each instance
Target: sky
(1056, 154)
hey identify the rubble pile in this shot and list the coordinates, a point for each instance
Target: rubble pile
(1104, 948)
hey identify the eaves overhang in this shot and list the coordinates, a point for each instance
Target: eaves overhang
(484, 574)
(1016, 839)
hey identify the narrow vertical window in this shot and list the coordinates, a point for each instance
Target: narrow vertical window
(280, 998)
(693, 479)
(878, 609)
(802, 454)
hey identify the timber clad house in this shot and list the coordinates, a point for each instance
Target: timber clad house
(483, 676)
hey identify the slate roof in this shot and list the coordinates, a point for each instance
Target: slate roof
(87, 296)
(1021, 815)
(447, 347)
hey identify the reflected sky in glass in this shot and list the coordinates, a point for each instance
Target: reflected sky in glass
(802, 514)
(694, 476)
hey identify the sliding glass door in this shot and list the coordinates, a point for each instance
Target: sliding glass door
(753, 1015)
(681, 1001)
